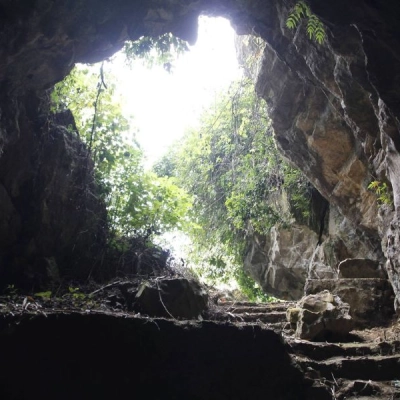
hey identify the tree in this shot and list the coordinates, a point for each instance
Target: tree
(139, 203)
(233, 170)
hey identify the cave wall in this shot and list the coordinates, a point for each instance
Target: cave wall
(334, 106)
(335, 112)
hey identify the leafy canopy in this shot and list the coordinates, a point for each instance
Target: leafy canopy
(231, 167)
(161, 50)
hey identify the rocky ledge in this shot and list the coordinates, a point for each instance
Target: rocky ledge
(102, 355)
(85, 346)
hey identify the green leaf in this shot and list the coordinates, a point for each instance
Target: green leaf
(44, 295)
(315, 29)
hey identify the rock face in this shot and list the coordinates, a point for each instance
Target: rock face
(279, 262)
(335, 110)
(54, 222)
(282, 261)
(370, 299)
(359, 267)
(335, 107)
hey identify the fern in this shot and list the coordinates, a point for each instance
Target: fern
(315, 28)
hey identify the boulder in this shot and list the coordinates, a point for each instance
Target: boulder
(322, 316)
(370, 299)
(171, 298)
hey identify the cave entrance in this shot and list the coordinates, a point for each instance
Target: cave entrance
(132, 113)
(223, 180)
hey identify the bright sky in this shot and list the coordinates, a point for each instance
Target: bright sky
(163, 104)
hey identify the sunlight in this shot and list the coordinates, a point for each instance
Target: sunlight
(164, 104)
(208, 110)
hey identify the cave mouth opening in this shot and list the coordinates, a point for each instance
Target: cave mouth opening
(158, 105)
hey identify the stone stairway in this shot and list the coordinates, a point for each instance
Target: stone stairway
(357, 370)
(364, 285)
(273, 315)
(364, 368)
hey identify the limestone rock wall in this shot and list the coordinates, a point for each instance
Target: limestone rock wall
(335, 110)
(282, 261)
(52, 223)
(279, 261)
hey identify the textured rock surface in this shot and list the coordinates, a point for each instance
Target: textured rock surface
(335, 108)
(360, 268)
(54, 222)
(321, 316)
(279, 262)
(364, 370)
(282, 261)
(370, 300)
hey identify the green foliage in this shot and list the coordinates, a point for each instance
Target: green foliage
(166, 166)
(250, 289)
(76, 293)
(231, 167)
(145, 204)
(161, 50)
(139, 203)
(382, 192)
(297, 187)
(44, 295)
(315, 28)
(231, 164)
(98, 116)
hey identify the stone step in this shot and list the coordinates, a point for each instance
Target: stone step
(278, 306)
(249, 309)
(324, 351)
(360, 389)
(352, 390)
(265, 317)
(376, 368)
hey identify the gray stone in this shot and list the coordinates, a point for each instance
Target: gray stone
(279, 261)
(370, 300)
(320, 316)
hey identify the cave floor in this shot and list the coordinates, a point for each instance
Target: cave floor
(83, 346)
